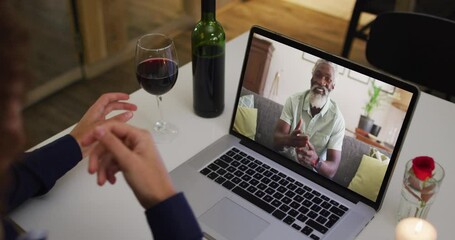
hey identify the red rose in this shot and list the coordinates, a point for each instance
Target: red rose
(423, 167)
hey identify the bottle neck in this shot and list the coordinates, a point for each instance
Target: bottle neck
(208, 9)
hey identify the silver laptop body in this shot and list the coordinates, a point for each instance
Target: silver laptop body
(240, 210)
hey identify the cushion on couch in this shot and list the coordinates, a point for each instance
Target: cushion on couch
(368, 177)
(269, 112)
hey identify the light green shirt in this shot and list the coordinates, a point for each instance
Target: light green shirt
(325, 129)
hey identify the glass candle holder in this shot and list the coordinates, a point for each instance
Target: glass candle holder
(417, 195)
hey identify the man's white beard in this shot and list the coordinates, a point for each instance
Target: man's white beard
(318, 100)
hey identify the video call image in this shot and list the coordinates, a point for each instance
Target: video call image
(338, 122)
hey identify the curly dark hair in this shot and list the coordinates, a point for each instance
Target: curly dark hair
(13, 70)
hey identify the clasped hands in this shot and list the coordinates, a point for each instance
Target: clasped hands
(114, 146)
(305, 151)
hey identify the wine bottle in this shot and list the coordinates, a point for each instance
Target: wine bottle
(208, 58)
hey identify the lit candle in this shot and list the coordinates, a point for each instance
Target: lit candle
(415, 229)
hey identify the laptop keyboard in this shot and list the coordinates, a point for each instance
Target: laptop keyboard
(301, 207)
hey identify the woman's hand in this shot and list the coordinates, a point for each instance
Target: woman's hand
(124, 148)
(97, 113)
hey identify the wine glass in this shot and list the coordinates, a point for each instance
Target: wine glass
(156, 65)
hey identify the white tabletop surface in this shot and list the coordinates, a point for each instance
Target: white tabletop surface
(77, 208)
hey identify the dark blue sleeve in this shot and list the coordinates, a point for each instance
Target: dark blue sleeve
(173, 219)
(36, 173)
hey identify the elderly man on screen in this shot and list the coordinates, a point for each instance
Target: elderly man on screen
(311, 127)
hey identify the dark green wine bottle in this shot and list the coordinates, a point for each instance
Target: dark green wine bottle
(208, 43)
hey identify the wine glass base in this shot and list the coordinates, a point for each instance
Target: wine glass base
(164, 132)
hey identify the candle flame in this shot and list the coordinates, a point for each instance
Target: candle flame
(419, 226)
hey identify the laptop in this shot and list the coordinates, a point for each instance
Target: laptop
(240, 187)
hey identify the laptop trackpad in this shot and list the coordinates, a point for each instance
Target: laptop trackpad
(232, 221)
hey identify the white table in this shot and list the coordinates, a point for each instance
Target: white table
(76, 208)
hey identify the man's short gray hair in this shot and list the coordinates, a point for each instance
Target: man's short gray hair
(333, 65)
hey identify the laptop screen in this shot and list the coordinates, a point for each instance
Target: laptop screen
(337, 119)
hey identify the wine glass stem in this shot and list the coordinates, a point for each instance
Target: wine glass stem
(160, 124)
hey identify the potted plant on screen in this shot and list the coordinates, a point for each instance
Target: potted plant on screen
(374, 92)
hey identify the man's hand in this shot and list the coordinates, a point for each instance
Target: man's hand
(306, 155)
(124, 148)
(297, 139)
(97, 113)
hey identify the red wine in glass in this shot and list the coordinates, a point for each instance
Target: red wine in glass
(157, 65)
(157, 75)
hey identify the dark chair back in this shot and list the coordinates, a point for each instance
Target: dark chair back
(416, 47)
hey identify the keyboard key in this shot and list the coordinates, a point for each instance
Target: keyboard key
(312, 214)
(316, 200)
(244, 185)
(302, 218)
(284, 208)
(337, 211)
(283, 182)
(307, 188)
(344, 208)
(220, 180)
(296, 205)
(289, 220)
(307, 230)
(267, 173)
(253, 199)
(324, 213)
(314, 237)
(227, 158)
(286, 200)
(316, 208)
(212, 175)
(300, 191)
(259, 194)
(278, 195)
(321, 219)
(213, 167)
(236, 180)
(252, 165)
(281, 189)
(296, 227)
(298, 198)
(262, 186)
(260, 169)
(251, 189)
(270, 191)
(293, 213)
(246, 177)
(228, 184)
(279, 214)
(221, 163)
(274, 185)
(254, 182)
(267, 198)
(276, 203)
(221, 171)
(228, 176)
(291, 186)
(316, 193)
(303, 209)
(238, 173)
(250, 172)
(205, 171)
(318, 227)
(290, 194)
